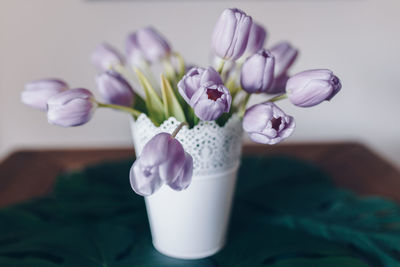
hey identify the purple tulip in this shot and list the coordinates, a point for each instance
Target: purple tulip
(134, 52)
(267, 124)
(257, 72)
(115, 89)
(163, 160)
(105, 57)
(210, 101)
(256, 39)
(285, 55)
(146, 44)
(71, 108)
(311, 87)
(278, 85)
(37, 93)
(231, 34)
(194, 79)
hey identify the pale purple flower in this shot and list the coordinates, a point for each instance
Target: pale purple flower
(278, 85)
(195, 78)
(163, 160)
(231, 34)
(106, 57)
(266, 123)
(146, 44)
(134, 53)
(311, 87)
(37, 93)
(257, 72)
(71, 108)
(115, 89)
(256, 40)
(210, 101)
(285, 55)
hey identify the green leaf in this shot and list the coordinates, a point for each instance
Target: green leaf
(172, 108)
(153, 101)
(140, 104)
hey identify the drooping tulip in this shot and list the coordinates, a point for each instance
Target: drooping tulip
(231, 34)
(195, 78)
(115, 89)
(311, 87)
(146, 44)
(266, 123)
(256, 40)
(257, 72)
(106, 57)
(163, 160)
(210, 101)
(285, 55)
(71, 108)
(37, 93)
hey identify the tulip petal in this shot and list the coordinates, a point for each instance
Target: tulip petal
(175, 161)
(155, 152)
(184, 177)
(145, 180)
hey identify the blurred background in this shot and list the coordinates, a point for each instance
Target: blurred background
(358, 40)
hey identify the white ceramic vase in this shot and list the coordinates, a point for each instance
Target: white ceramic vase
(192, 223)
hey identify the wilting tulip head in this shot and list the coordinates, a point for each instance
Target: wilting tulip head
(163, 160)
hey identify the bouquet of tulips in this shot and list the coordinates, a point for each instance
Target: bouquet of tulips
(242, 68)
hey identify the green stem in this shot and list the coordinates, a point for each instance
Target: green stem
(132, 111)
(277, 98)
(181, 64)
(243, 107)
(178, 129)
(221, 66)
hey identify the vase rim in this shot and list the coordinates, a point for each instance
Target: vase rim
(232, 120)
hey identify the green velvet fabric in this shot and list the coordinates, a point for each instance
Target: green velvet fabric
(286, 213)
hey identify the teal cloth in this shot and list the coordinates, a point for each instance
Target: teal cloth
(286, 213)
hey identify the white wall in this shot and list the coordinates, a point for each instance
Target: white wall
(359, 40)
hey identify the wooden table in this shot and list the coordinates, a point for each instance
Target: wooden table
(29, 173)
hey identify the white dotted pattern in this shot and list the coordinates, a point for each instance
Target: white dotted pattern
(214, 149)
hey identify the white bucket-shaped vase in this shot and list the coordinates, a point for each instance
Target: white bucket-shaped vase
(192, 223)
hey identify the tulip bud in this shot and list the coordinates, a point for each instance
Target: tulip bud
(278, 85)
(285, 55)
(231, 34)
(105, 57)
(257, 72)
(37, 93)
(71, 108)
(194, 79)
(267, 124)
(163, 160)
(210, 101)
(311, 87)
(146, 44)
(115, 89)
(256, 39)
(134, 52)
